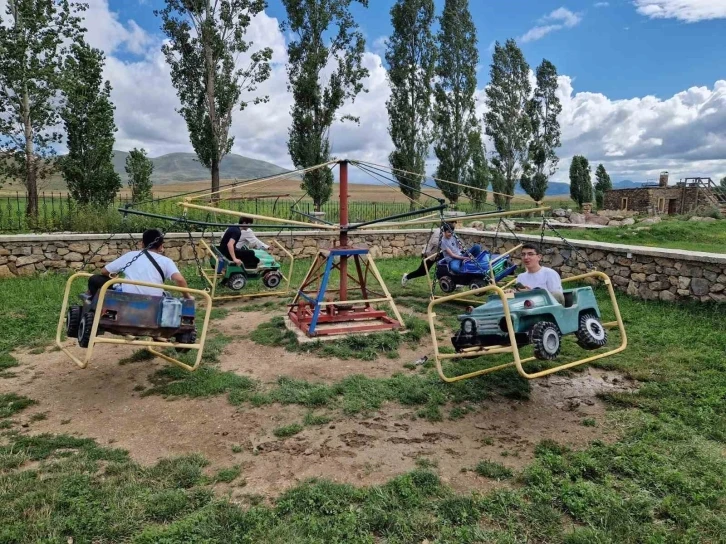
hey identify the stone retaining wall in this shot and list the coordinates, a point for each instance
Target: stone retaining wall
(649, 273)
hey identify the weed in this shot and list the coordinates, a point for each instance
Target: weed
(227, 475)
(7, 361)
(589, 422)
(236, 448)
(10, 404)
(137, 357)
(287, 430)
(423, 462)
(493, 470)
(312, 419)
(39, 416)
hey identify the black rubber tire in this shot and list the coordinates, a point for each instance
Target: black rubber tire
(73, 319)
(236, 281)
(186, 338)
(547, 340)
(447, 284)
(590, 333)
(84, 329)
(272, 279)
(476, 284)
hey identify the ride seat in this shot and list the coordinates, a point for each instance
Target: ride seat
(569, 299)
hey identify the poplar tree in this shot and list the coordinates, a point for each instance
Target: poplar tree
(454, 111)
(34, 40)
(410, 54)
(602, 184)
(87, 115)
(205, 40)
(542, 110)
(507, 121)
(326, 39)
(139, 169)
(580, 183)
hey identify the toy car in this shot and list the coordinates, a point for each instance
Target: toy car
(474, 274)
(236, 277)
(537, 319)
(134, 314)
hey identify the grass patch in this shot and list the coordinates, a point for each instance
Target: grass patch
(493, 470)
(227, 475)
(137, 357)
(287, 430)
(311, 419)
(11, 404)
(7, 361)
(589, 422)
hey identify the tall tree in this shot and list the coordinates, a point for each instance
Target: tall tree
(34, 38)
(507, 122)
(326, 39)
(580, 183)
(478, 174)
(602, 184)
(454, 115)
(206, 39)
(410, 54)
(139, 168)
(87, 115)
(723, 182)
(542, 110)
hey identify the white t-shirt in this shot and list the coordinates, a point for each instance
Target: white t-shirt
(249, 239)
(449, 243)
(143, 270)
(546, 278)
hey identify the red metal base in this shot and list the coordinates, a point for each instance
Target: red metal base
(356, 319)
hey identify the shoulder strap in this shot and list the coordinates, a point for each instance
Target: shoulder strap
(156, 265)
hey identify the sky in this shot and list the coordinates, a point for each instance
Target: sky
(642, 82)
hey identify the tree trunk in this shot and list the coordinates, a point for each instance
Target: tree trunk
(31, 185)
(215, 179)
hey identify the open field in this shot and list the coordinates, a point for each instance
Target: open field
(350, 442)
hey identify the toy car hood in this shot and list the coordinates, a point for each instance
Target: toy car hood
(537, 298)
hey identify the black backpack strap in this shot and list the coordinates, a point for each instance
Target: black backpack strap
(156, 265)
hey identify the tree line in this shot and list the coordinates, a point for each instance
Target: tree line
(51, 78)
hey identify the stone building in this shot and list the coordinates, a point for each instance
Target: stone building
(662, 199)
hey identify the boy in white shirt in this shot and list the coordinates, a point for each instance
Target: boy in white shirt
(150, 266)
(536, 275)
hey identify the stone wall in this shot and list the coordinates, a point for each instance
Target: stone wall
(649, 273)
(645, 199)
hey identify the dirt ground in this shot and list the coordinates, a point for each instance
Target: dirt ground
(104, 402)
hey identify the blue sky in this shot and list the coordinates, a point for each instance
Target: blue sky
(612, 49)
(642, 82)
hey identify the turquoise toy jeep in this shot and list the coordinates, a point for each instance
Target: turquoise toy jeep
(235, 277)
(537, 319)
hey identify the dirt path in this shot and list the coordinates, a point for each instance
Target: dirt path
(103, 402)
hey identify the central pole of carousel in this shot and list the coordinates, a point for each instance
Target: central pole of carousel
(343, 169)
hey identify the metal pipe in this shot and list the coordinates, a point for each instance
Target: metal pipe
(397, 216)
(205, 223)
(343, 166)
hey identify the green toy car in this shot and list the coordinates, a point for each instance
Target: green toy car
(537, 319)
(236, 277)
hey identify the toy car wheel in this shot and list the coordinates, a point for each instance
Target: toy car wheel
(590, 333)
(446, 284)
(477, 284)
(84, 329)
(272, 279)
(545, 338)
(186, 338)
(236, 282)
(73, 319)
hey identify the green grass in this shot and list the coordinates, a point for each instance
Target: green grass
(671, 233)
(287, 430)
(661, 479)
(493, 470)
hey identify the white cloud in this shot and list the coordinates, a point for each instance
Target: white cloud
(690, 11)
(634, 138)
(557, 20)
(601, 4)
(106, 32)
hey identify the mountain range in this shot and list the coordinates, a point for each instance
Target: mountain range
(184, 167)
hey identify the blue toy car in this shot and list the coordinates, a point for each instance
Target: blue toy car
(473, 273)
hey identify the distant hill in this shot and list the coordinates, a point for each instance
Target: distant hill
(183, 167)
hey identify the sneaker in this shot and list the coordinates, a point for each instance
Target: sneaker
(404, 280)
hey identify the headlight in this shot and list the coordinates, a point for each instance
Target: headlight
(467, 326)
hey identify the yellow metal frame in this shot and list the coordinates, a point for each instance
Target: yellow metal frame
(148, 344)
(512, 347)
(211, 276)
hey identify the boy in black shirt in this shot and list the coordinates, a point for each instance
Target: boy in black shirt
(235, 254)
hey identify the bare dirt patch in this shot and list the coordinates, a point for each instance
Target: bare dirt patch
(104, 402)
